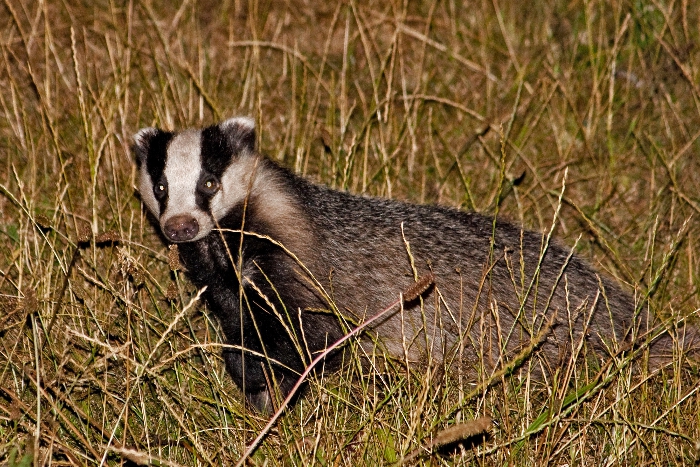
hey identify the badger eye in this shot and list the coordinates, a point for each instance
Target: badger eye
(160, 189)
(209, 185)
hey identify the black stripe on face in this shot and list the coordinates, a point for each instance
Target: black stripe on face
(217, 154)
(156, 155)
(204, 192)
(225, 142)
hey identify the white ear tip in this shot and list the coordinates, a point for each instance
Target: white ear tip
(246, 122)
(143, 135)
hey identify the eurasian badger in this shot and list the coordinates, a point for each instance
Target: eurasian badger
(316, 261)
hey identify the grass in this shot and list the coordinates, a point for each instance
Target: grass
(106, 358)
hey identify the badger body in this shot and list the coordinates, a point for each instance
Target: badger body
(290, 266)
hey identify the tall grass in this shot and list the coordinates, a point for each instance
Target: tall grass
(106, 356)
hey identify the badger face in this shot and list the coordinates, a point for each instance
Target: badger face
(190, 180)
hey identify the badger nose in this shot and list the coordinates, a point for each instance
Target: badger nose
(181, 228)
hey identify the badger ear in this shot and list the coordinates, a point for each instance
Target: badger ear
(240, 132)
(142, 143)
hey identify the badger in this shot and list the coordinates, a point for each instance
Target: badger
(291, 266)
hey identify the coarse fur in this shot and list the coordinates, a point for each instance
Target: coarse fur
(314, 261)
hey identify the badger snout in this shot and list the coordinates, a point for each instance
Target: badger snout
(181, 228)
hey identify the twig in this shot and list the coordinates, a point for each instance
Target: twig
(450, 435)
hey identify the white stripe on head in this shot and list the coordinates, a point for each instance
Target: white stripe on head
(183, 167)
(146, 191)
(235, 182)
(141, 142)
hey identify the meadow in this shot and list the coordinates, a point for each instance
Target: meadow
(581, 116)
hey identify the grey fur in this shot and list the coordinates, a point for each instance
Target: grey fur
(496, 285)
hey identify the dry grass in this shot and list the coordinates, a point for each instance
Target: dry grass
(104, 356)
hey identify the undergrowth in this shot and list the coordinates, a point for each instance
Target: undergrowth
(106, 356)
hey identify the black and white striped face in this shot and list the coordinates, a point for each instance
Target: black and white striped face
(191, 179)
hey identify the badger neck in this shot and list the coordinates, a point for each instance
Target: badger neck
(268, 206)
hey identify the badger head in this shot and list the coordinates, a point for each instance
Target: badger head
(191, 179)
